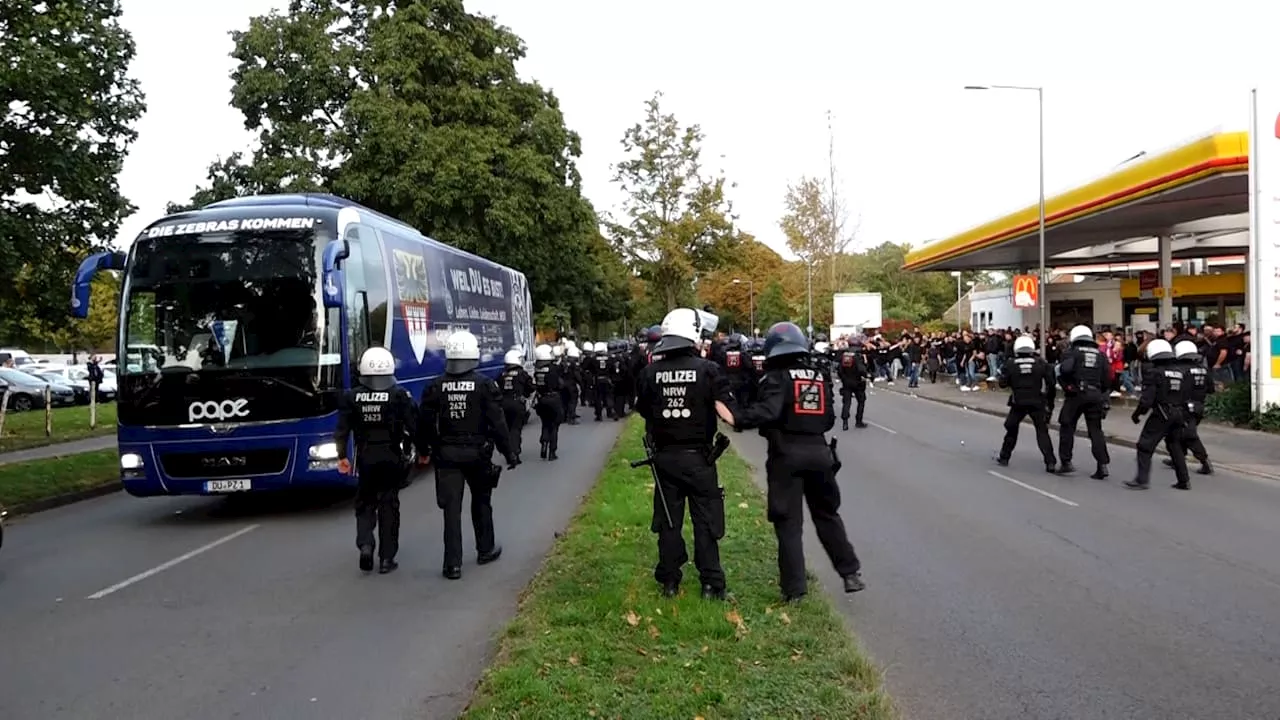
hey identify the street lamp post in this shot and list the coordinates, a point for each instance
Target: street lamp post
(959, 323)
(751, 301)
(1044, 308)
(809, 293)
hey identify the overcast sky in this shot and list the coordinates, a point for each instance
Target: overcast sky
(918, 157)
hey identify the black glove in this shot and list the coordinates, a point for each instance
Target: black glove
(512, 461)
(1136, 417)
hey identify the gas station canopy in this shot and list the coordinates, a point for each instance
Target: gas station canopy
(1196, 194)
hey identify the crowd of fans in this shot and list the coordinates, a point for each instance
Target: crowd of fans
(971, 357)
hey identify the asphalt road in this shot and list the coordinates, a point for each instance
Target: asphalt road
(988, 599)
(257, 609)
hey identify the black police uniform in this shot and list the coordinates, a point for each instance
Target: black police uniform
(569, 394)
(853, 372)
(677, 397)
(516, 386)
(620, 374)
(1165, 394)
(822, 362)
(383, 421)
(1031, 384)
(587, 386)
(548, 383)
(1201, 385)
(794, 411)
(737, 367)
(757, 370)
(1085, 377)
(601, 382)
(461, 420)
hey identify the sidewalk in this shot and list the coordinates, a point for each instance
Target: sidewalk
(75, 447)
(1244, 451)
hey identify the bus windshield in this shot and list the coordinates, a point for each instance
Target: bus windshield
(240, 302)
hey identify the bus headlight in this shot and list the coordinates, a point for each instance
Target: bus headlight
(130, 461)
(323, 456)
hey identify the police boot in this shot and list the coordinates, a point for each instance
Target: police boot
(1205, 468)
(486, 558)
(844, 423)
(543, 452)
(1134, 484)
(1065, 467)
(1051, 467)
(1001, 461)
(1101, 473)
(453, 572)
(1168, 462)
(670, 589)
(1181, 486)
(860, 425)
(366, 558)
(853, 583)
(387, 565)
(711, 593)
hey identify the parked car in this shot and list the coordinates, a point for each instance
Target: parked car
(59, 386)
(77, 376)
(17, 356)
(26, 392)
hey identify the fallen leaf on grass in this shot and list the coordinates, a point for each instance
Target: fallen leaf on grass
(786, 619)
(573, 660)
(653, 632)
(631, 618)
(735, 619)
(744, 506)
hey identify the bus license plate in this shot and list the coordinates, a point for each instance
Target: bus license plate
(227, 486)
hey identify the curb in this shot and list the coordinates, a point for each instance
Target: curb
(1080, 433)
(49, 503)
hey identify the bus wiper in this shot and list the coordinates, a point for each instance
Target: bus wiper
(277, 382)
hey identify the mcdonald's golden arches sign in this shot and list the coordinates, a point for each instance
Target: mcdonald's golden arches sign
(1026, 291)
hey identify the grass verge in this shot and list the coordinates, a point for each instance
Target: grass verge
(27, 482)
(25, 430)
(594, 638)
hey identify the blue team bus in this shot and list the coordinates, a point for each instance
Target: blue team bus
(241, 322)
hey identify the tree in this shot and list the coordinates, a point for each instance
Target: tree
(772, 306)
(754, 265)
(65, 127)
(228, 178)
(679, 224)
(96, 332)
(416, 110)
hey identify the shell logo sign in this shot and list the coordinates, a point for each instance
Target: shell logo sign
(1026, 291)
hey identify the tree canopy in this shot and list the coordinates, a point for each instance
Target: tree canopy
(67, 108)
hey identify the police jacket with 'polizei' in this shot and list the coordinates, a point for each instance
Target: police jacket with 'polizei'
(1084, 371)
(382, 421)
(1030, 381)
(793, 403)
(677, 400)
(1199, 385)
(459, 415)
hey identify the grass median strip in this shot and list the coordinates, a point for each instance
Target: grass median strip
(27, 482)
(25, 430)
(594, 638)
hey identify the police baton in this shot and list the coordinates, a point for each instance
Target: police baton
(657, 484)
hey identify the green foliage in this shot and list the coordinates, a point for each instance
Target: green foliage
(679, 224)
(69, 107)
(772, 306)
(1234, 405)
(97, 332)
(416, 110)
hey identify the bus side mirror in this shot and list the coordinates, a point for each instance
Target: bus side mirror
(92, 265)
(334, 253)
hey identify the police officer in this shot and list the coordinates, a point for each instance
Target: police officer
(548, 382)
(572, 381)
(681, 395)
(1165, 393)
(1191, 361)
(793, 412)
(460, 422)
(620, 374)
(737, 367)
(821, 358)
(1086, 379)
(757, 364)
(853, 372)
(516, 387)
(1030, 380)
(587, 390)
(381, 415)
(601, 381)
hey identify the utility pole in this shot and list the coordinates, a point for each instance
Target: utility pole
(832, 208)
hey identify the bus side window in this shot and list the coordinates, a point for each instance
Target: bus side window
(376, 284)
(358, 239)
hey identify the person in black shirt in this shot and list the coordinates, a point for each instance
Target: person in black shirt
(915, 355)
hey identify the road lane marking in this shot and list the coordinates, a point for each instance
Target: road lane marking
(176, 561)
(1034, 489)
(891, 431)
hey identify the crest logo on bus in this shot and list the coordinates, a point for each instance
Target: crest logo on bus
(414, 293)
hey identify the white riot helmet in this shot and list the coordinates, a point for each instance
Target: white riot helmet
(542, 353)
(821, 348)
(573, 351)
(1159, 349)
(1024, 345)
(461, 353)
(1081, 333)
(602, 347)
(557, 351)
(569, 343)
(1186, 349)
(681, 328)
(377, 369)
(514, 357)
